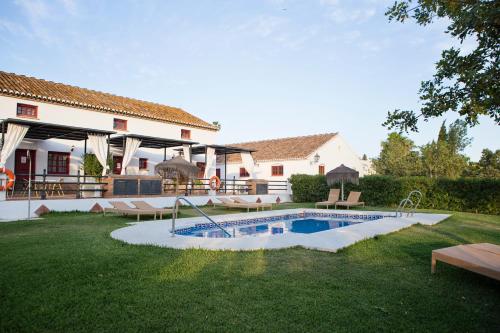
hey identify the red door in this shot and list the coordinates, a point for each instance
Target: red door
(21, 165)
(201, 169)
(117, 164)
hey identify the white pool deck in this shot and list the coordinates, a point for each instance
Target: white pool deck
(158, 232)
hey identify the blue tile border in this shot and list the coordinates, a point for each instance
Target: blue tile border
(260, 220)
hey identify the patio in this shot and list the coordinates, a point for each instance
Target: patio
(68, 185)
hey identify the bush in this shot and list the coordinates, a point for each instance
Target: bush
(306, 188)
(478, 195)
(92, 167)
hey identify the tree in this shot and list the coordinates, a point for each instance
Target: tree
(397, 157)
(464, 83)
(488, 165)
(457, 136)
(443, 158)
(438, 160)
(217, 124)
(443, 134)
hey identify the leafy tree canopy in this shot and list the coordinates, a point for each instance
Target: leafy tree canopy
(488, 165)
(464, 83)
(398, 157)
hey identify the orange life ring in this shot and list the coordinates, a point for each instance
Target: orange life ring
(11, 180)
(214, 183)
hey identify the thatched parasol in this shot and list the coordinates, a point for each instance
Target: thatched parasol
(342, 174)
(177, 168)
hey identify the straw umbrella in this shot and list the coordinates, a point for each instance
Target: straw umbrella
(342, 174)
(177, 168)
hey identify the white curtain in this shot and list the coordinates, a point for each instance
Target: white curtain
(248, 163)
(15, 134)
(131, 146)
(185, 150)
(99, 145)
(211, 163)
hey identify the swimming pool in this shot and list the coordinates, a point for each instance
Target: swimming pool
(319, 229)
(304, 223)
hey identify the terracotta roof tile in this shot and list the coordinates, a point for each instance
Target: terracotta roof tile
(294, 148)
(57, 93)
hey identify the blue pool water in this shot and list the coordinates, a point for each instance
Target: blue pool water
(302, 226)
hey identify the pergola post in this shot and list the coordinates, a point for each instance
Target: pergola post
(225, 171)
(123, 152)
(107, 155)
(164, 154)
(3, 135)
(206, 161)
(84, 157)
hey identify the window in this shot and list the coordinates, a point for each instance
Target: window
(58, 163)
(26, 110)
(244, 172)
(217, 172)
(185, 134)
(321, 170)
(277, 170)
(143, 163)
(117, 164)
(119, 124)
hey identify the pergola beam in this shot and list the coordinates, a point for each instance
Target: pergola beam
(46, 131)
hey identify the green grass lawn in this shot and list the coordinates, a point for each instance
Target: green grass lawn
(64, 273)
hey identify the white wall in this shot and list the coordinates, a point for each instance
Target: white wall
(63, 115)
(18, 209)
(332, 154)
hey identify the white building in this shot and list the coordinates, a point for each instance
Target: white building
(278, 159)
(57, 124)
(60, 117)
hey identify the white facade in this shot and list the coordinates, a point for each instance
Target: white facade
(84, 118)
(331, 155)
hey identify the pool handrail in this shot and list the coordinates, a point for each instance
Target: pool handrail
(413, 206)
(176, 210)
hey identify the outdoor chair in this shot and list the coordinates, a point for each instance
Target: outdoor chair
(227, 203)
(145, 206)
(482, 258)
(57, 187)
(259, 205)
(352, 200)
(333, 198)
(120, 207)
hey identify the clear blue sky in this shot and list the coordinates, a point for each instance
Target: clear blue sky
(263, 68)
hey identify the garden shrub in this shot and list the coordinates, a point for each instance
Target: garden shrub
(478, 195)
(307, 188)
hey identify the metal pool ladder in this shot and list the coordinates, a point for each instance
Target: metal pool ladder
(176, 211)
(413, 204)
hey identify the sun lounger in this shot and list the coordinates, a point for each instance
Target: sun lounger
(145, 206)
(120, 207)
(482, 258)
(333, 198)
(261, 205)
(352, 200)
(231, 204)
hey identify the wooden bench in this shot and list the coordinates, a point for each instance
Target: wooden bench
(482, 258)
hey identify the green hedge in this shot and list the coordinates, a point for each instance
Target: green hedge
(479, 195)
(308, 188)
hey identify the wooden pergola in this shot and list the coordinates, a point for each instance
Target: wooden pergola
(151, 142)
(220, 150)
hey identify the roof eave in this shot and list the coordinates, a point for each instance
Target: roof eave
(57, 101)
